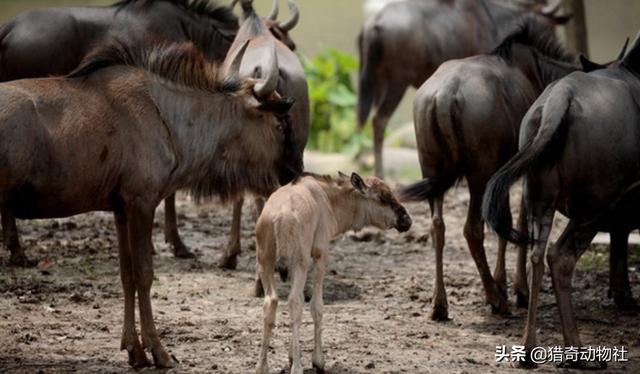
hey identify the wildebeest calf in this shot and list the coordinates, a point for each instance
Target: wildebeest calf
(296, 226)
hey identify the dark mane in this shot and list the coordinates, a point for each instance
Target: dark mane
(203, 8)
(632, 59)
(179, 63)
(531, 33)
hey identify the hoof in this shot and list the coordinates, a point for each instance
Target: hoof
(161, 358)
(583, 365)
(137, 358)
(501, 307)
(522, 300)
(182, 251)
(526, 364)
(228, 262)
(19, 259)
(440, 313)
(319, 368)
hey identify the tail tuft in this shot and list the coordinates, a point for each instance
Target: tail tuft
(429, 187)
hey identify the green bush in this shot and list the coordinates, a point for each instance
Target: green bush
(333, 104)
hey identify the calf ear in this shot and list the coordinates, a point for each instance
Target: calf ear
(358, 183)
(278, 106)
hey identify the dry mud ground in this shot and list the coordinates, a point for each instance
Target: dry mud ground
(68, 318)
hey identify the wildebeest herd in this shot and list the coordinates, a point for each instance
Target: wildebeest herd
(116, 108)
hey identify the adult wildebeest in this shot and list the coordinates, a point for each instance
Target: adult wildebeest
(125, 130)
(579, 154)
(53, 41)
(296, 227)
(467, 117)
(404, 43)
(291, 83)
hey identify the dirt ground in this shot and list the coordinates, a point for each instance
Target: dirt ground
(67, 316)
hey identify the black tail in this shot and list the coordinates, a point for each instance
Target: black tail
(370, 49)
(531, 155)
(429, 187)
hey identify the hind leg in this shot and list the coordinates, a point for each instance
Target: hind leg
(270, 306)
(474, 233)
(296, 303)
(171, 234)
(440, 309)
(500, 274)
(520, 286)
(387, 105)
(12, 240)
(317, 304)
(619, 287)
(229, 259)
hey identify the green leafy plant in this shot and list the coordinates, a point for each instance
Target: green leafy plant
(333, 104)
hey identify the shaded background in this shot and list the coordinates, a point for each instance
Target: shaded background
(336, 23)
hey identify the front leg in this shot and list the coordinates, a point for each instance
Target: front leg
(140, 223)
(229, 259)
(12, 240)
(171, 234)
(316, 311)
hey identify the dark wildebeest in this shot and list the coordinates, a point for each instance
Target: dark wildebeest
(579, 154)
(291, 82)
(53, 41)
(127, 129)
(467, 117)
(404, 43)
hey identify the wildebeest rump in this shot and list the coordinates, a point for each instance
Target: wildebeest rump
(404, 43)
(53, 41)
(467, 117)
(125, 130)
(579, 154)
(289, 79)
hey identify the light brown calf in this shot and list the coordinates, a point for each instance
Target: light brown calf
(296, 226)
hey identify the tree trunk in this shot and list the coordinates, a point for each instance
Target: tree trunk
(576, 29)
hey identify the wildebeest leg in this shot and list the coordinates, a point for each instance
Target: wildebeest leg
(619, 287)
(171, 234)
(387, 105)
(499, 273)
(259, 202)
(540, 229)
(130, 342)
(12, 240)
(140, 224)
(270, 306)
(520, 283)
(317, 303)
(474, 233)
(440, 307)
(229, 259)
(296, 303)
(562, 259)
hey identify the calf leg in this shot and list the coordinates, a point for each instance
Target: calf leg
(12, 240)
(171, 235)
(474, 233)
(316, 312)
(130, 342)
(270, 306)
(520, 283)
(440, 307)
(390, 100)
(140, 223)
(562, 259)
(229, 259)
(296, 303)
(619, 287)
(540, 229)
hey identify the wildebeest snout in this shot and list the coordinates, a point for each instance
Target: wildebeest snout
(404, 221)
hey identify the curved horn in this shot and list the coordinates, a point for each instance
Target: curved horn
(295, 17)
(551, 8)
(270, 74)
(624, 50)
(273, 15)
(236, 61)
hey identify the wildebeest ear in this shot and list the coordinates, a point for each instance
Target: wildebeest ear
(278, 106)
(561, 20)
(358, 183)
(588, 65)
